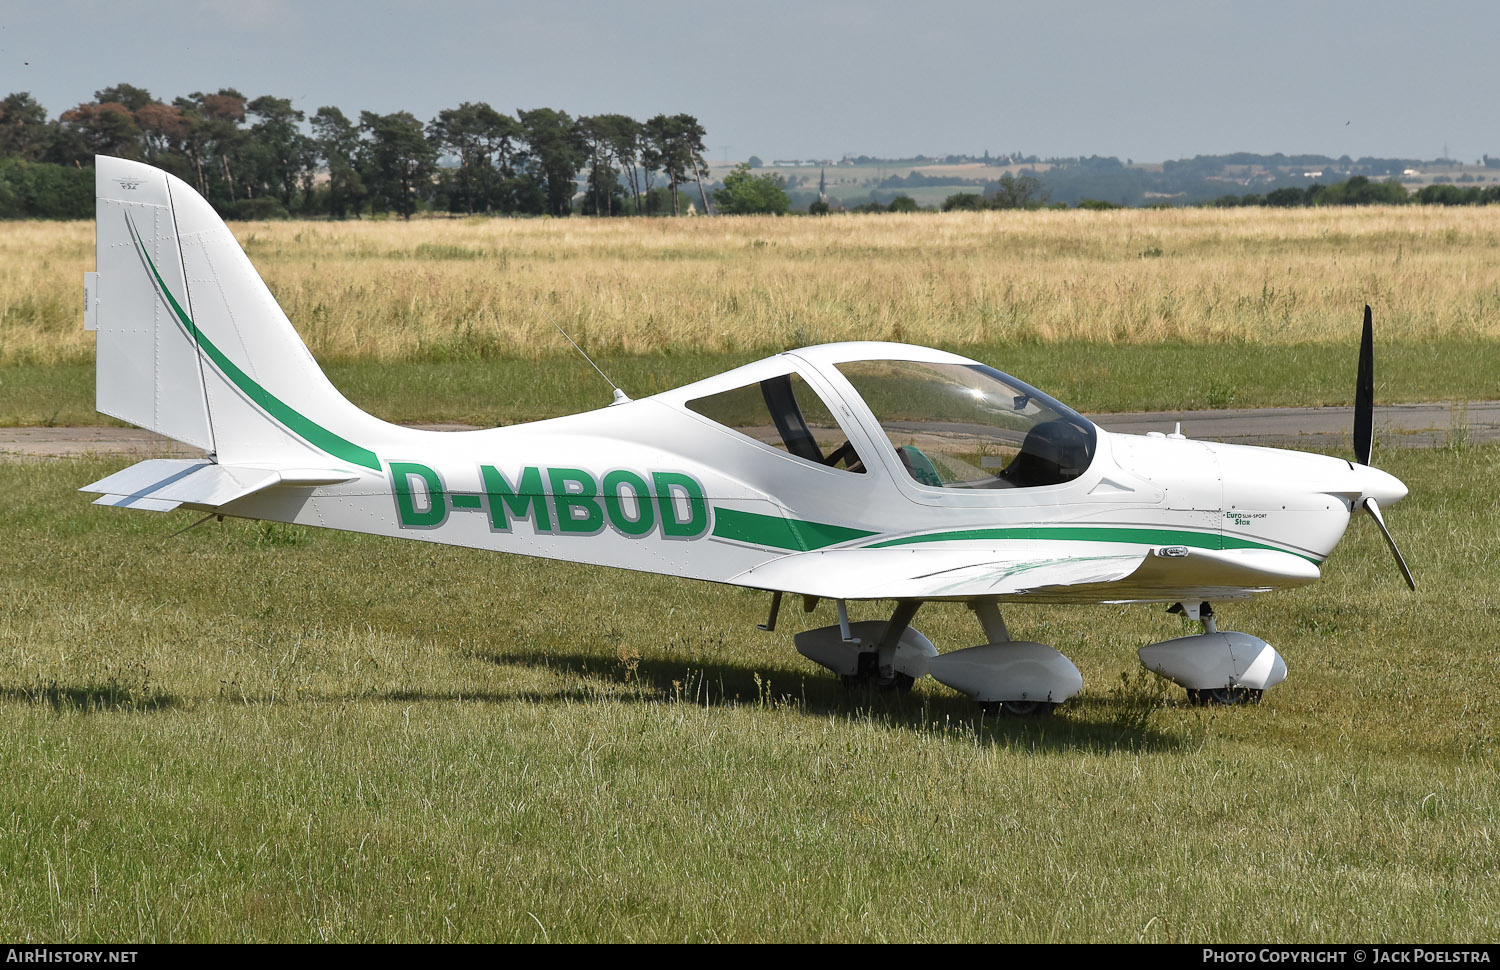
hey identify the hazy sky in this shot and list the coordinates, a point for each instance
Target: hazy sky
(1148, 81)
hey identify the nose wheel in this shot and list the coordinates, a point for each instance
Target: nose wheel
(1017, 708)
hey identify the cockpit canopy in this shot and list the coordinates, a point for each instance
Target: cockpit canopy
(970, 426)
(953, 423)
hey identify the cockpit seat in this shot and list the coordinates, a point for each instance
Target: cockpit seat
(1052, 453)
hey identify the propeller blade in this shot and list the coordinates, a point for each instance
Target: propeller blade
(1364, 433)
(1373, 507)
(1364, 394)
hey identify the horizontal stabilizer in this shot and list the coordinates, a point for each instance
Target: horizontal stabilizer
(136, 502)
(162, 484)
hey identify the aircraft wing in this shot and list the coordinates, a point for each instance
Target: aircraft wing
(1038, 571)
(162, 484)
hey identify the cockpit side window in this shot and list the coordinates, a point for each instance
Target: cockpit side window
(970, 426)
(787, 414)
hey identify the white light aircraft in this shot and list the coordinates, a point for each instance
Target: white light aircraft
(854, 471)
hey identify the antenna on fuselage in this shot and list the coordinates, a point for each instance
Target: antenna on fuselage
(620, 396)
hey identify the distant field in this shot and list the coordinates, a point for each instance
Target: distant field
(1113, 310)
(262, 732)
(441, 289)
(854, 182)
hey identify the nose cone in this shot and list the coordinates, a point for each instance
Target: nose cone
(1378, 485)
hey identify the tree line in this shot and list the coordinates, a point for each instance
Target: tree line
(1360, 190)
(261, 157)
(1027, 192)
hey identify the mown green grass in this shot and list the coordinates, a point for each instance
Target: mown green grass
(261, 732)
(1090, 377)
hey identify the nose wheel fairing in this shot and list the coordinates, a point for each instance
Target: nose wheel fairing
(1212, 666)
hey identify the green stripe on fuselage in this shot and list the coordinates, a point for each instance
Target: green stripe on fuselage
(780, 532)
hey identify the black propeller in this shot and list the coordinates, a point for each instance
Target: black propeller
(1364, 394)
(1364, 434)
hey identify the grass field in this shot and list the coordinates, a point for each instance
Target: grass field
(259, 732)
(262, 732)
(452, 319)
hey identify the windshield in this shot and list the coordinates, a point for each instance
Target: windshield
(970, 426)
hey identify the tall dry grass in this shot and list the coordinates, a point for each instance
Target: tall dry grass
(464, 288)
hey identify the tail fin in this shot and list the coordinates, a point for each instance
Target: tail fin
(193, 346)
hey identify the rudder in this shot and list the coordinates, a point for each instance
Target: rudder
(193, 345)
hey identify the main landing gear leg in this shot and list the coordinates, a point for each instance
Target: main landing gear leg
(885, 652)
(877, 668)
